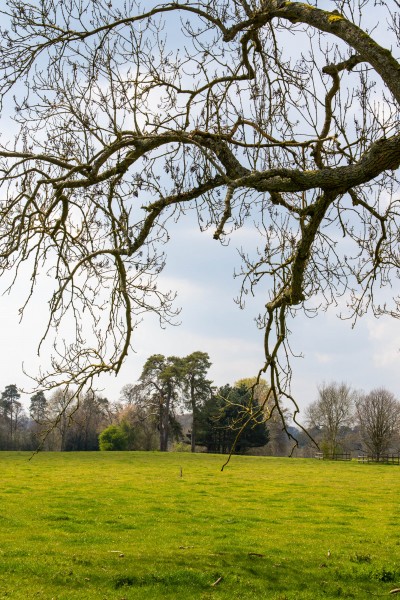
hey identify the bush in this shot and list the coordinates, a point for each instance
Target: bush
(181, 447)
(113, 438)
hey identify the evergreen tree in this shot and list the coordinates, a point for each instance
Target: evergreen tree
(227, 413)
(196, 387)
(37, 407)
(12, 410)
(162, 379)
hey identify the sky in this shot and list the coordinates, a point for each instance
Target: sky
(201, 270)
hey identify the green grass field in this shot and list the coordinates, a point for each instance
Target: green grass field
(127, 525)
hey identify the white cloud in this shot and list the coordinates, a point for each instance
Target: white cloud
(232, 356)
(385, 337)
(187, 289)
(323, 358)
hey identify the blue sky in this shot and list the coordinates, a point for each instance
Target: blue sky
(365, 357)
(201, 270)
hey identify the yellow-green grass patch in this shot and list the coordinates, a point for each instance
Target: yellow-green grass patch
(127, 525)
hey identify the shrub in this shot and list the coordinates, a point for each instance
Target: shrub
(113, 438)
(181, 447)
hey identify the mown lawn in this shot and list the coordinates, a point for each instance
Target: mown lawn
(127, 525)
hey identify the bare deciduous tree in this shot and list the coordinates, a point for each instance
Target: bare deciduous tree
(141, 414)
(142, 425)
(132, 114)
(60, 410)
(333, 410)
(378, 414)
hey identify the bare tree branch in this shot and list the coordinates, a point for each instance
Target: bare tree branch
(119, 126)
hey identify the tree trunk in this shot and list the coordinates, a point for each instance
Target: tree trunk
(164, 424)
(194, 420)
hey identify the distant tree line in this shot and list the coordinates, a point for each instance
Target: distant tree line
(168, 386)
(150, 414)
(54, 423)
(344, 420)
(174, 405)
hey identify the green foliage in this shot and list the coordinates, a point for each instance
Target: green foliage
(129, 432)
(228, 412)
(114, 438)
(10, 416)
(37, 407)
(162, 380)
(181, 447)
(196, 387)
(10, 395)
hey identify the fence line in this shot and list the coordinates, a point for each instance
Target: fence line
(392, 459)
(337, 456)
